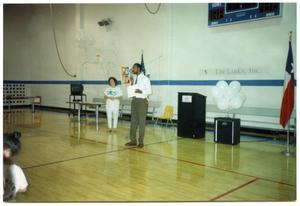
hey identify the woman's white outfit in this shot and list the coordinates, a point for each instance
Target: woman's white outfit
(14, 181)
(112, 106)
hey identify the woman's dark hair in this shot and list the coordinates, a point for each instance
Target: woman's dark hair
(115, 80)
(12, 141)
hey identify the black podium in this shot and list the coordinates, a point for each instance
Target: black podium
(191, 115)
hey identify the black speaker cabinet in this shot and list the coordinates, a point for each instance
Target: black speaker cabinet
(191, 115)
(227, 130)
(76, 89)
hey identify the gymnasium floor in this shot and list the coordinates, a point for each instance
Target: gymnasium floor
(64, 162)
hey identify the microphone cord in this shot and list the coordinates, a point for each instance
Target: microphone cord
(56, 46)
(153, 12)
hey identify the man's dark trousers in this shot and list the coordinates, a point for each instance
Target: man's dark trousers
(139, 109)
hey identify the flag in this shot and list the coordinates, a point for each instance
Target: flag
(143, 65)
(287, 103)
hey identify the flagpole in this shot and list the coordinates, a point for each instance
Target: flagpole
(287, 151)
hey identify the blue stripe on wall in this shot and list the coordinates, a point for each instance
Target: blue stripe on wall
(264, 82)
(214, 82)
(53, 82)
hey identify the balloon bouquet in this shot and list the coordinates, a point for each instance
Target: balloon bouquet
(228, 97)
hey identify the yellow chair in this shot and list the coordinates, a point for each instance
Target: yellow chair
(168, 115)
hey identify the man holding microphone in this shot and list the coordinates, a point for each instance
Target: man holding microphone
(139, 106)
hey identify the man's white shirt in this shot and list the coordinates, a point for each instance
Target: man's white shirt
(142, 83)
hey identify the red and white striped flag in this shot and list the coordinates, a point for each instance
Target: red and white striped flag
(287, 104)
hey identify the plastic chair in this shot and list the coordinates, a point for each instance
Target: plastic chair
(167, 115)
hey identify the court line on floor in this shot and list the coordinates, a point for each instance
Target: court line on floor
(147, 152)
(234, 189)
(122, 148)
(134, 148)
(75, 158)
(200, 164)
(262, 178)
(96, 141)
(88, 140)
(178, 138)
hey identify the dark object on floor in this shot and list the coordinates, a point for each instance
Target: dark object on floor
(191, 115)
(227, 130)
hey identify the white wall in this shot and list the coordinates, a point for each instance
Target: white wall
(17, 59)
(177, 44)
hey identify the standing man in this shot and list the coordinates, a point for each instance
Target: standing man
(139, 106)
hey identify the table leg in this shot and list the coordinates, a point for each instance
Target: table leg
(97, 113)
(32, 108)
(69, 105)
(153, 111)
(9, 117)
(8, 105)
(79, 112)
(78, 130)
(85, 105)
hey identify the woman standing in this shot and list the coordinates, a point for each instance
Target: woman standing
(112, 95)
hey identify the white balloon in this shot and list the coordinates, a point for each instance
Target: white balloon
(222, 104)
(229, 94)
(217, 93)
(236, 102)
(222, 85)
(235, 86)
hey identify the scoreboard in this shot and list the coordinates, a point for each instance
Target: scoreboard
(229, 13)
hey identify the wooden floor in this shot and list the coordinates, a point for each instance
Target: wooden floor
(64, 161)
